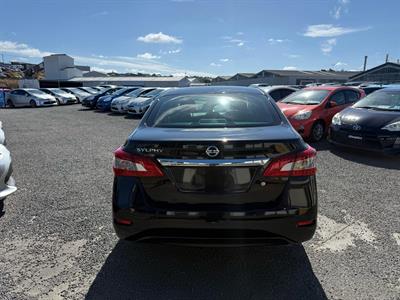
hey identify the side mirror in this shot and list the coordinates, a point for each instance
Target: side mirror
(333, 103)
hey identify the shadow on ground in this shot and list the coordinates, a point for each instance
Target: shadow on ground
(144, 271)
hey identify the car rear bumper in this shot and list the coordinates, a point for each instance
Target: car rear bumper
(279, 227)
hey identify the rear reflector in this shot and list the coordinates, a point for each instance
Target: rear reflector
(127, 164)
(123, 221)
(298, 164)
(305, 223)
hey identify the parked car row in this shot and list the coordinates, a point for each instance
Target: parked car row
(49, 96)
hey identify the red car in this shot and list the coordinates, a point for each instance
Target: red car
(310, 110)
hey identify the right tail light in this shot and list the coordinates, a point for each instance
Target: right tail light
(298, 164)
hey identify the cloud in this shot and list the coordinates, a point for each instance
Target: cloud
(21, 49)
(273, 41)
(340, 65)
(293, 55)
(239, 33)
(327, 46)
(339, 9)
(329, 30)
(290, 68)
(148, 55)
(213, 64)
(224, 59)
(234, 40)
(102, 70)
(100, 14)
(159, 38)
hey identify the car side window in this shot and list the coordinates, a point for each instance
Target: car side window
(339, 98)
(276, 95)
(352, 96)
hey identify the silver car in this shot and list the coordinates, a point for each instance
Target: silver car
(7, 183)
(276, 92)
(142, 103)
(78, 93)
(118, 105)
(30, 97)
(61, 96)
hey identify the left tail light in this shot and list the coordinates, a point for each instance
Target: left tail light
(127, 164)
(298, 164)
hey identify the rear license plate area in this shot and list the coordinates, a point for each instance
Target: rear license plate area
(212, 179)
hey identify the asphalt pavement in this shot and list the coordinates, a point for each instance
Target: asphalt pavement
(57, 240)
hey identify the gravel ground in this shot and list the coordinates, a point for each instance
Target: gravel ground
(57, 239)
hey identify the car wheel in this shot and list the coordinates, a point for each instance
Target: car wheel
(317, 132)
(33, 103)
(58, 101)
(10, 103)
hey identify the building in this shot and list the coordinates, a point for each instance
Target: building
(386, 73)
(178, 81)
(284, 77)
(61, 67)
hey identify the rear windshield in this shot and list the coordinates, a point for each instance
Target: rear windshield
(306, 97)
(213, 111)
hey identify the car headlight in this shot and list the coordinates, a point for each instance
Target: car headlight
(337, 120)
(395, 126)
(303, 115)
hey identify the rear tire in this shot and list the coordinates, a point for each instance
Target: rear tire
(317, 131)
(33, 103)
(10, 103)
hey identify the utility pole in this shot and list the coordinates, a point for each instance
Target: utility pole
(2, 58)
(365, 62)
(387, 58)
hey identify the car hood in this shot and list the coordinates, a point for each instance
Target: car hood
(368, 117)
(121, 99)
(44, 97)
(139, 100)
(277, 132)
(291, 109)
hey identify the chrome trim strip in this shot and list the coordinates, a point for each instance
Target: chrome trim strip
(212, 162)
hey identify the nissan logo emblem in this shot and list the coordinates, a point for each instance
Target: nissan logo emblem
(212, 151)
(356, 127)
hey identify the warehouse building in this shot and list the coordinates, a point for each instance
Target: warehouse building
(284, 77)
(177, 81)
(386, 73)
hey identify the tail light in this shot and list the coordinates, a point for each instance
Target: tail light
(127, 164)
(299, 164)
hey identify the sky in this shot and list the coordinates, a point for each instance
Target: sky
(194, 37)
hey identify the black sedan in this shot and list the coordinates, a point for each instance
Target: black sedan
(373, 123)
(215, 166)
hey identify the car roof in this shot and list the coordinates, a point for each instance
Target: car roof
(391, 88)
(213, 90)
(275, 87)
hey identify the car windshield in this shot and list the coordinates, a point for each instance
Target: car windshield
(151, 93)
(307, 97)
(77, 91)
(212, 111)
(381, 100)
(37, 92)
(134, 93)
(59, 91)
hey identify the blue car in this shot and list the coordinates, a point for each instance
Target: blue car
(104, 102)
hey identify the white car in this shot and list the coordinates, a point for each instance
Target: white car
(78, 93)
(142, 103)
(7, 183)
(30, 97)
(61, 96)
(119, 104)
